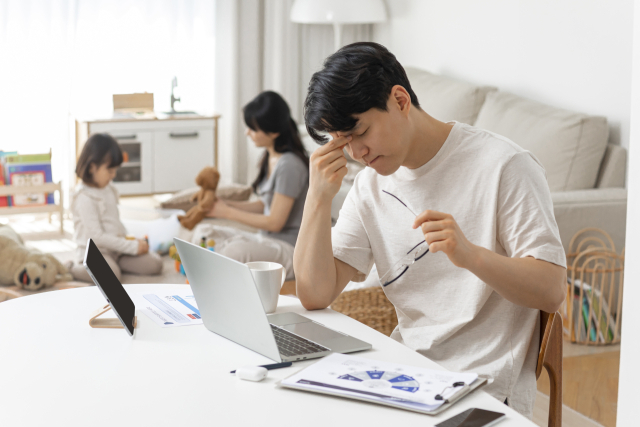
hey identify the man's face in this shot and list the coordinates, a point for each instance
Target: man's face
(379, 139)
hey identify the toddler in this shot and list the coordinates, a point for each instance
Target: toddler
(95, 213)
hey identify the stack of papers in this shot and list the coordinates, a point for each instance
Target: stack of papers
(388, 383)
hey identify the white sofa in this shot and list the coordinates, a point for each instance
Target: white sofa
(586, 175)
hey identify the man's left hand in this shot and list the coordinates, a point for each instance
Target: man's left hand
(443, 234)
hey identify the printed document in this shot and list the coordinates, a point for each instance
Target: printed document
(383, 382)
(169, 309)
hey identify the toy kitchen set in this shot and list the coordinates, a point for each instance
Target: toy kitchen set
(160, 150)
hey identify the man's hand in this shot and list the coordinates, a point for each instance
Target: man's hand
(327, 168)
(442, 233)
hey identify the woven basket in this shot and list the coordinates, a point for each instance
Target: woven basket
(369, 306)
(594, 289)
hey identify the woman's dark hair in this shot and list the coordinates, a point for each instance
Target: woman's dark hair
(355, 79)
(99, 149)
(270, 113)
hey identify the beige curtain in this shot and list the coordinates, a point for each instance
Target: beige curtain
(258, 48)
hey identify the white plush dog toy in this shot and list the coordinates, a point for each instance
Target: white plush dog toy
(27, 268)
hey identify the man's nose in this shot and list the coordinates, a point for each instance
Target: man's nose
(358, 151)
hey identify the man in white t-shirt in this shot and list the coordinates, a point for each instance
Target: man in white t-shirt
(458, 221)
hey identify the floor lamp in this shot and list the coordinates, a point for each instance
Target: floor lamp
(338, 13)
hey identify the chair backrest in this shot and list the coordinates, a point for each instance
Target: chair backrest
(550, 357)
(544, 339)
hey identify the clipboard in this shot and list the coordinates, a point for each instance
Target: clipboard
(480, 382)
(384, 383)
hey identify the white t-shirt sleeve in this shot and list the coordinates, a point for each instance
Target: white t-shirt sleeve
(526, 223)
(349, 239)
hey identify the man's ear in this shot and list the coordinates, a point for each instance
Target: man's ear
(401, 98)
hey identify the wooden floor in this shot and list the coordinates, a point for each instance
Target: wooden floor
(590, 385)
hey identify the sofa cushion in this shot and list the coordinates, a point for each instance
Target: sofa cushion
(446, 98)
(569, 145)
(613, 171)
(182, 199)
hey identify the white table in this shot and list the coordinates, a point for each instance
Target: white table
(56, 370)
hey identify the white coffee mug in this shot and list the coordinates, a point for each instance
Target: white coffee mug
(269, 278)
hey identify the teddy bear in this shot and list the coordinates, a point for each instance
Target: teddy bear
(27, 268)
(207, 179)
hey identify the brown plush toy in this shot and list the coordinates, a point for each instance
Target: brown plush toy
(207, 179)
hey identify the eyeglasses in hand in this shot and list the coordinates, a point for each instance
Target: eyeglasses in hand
(402, 265)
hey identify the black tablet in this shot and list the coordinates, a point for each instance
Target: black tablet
(110, 286)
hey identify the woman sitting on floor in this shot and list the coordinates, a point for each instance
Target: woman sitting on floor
(281, 184)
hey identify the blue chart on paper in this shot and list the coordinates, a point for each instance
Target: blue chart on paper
(383, 379)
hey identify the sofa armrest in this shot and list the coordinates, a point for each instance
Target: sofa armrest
(604, 208)
(613, 168)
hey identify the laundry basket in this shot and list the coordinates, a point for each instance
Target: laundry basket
(369, 306)
(592, 310)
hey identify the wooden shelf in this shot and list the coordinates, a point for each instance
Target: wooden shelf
(12, 190)
(13, 210)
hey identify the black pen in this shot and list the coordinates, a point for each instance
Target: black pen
(273, 366)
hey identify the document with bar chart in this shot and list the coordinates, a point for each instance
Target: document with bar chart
(169, 309)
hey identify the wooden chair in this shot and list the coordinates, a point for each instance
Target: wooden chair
(550, 357)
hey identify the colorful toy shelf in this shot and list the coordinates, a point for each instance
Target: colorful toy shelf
(51, 187)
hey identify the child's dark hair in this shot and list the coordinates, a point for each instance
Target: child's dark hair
(99, 149)
(269, 112)
(353, 80)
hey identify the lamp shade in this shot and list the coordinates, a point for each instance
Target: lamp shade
(338, 11)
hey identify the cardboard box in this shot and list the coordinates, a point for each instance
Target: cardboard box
(133, 103)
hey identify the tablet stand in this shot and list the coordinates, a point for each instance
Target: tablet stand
(113, 323)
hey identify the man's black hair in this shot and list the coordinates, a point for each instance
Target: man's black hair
(353, 80)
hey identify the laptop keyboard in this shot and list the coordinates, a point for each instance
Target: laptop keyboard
(292, 345)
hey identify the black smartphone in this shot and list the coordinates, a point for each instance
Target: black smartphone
(473, 417)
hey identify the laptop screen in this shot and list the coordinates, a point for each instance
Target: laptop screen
(111, 288)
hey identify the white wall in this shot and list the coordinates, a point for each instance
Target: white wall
(573, 54)
(630, 345)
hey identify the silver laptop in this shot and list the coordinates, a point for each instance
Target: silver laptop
(230, 306)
